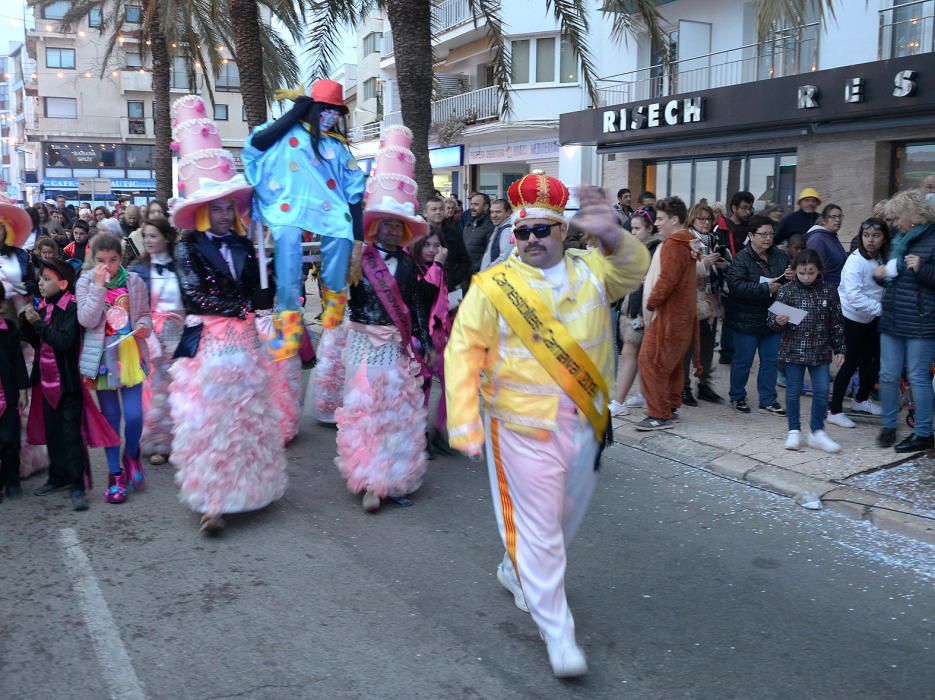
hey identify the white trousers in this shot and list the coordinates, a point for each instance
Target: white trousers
(541, 491)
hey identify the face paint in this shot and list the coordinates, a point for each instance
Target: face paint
(327, 119)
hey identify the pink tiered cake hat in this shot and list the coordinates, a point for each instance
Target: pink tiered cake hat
(206, 169)
(391, 189)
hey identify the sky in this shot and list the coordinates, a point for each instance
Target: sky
(11, 24)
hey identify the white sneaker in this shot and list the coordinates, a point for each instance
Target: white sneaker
(792, 440)
(618, 409)
(567, 659)
(819, 440)
(636, 401)
(508, 580)
(866, 407)
(841, 419)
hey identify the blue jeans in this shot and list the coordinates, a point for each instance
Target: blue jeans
(821, 382)
(915, 354)
(745, 347)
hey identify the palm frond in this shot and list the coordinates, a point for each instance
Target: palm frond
(279, 62)
(111, 24)
(771, 13)
(630, 16)
(325, 21)
(502, 62)
(572, 18)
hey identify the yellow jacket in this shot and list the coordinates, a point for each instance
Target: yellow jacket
(485, 356)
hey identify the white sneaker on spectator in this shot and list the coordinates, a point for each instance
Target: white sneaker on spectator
(841, 420)
(618, 409)
(866, 407)
(792, 440)
(636, 401)
(819, 440)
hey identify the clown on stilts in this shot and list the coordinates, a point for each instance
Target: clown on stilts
(227, 447)
(306, 179)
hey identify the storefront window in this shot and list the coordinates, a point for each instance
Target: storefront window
(770, 177)
(914, 163)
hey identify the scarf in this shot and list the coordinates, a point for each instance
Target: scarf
(901, 244)
(119, 280)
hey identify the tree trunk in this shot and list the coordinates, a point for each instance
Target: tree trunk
(411, 22)
(162, 158)
(245, 25)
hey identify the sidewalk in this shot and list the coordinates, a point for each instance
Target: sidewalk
(750, 448)
(858, 481)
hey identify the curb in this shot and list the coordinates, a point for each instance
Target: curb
(886, 512)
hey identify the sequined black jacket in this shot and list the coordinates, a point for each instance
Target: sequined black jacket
(205, 280)
(366, 308)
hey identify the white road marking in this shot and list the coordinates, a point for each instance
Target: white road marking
(111, 653)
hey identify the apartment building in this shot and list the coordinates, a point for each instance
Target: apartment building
(89, 117)
(843, 104)
(6, 125)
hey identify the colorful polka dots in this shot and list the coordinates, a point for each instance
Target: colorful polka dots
(293, 141)
(332, 185)
(293, 166)
(284, 207)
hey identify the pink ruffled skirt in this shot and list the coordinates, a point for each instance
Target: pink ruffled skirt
(286, 389)
(227, 448)
(381, 425)
(326, 386)
(157, 414)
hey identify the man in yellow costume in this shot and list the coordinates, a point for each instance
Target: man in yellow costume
(533, 336)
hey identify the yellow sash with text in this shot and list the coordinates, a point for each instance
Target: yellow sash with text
(549, 342)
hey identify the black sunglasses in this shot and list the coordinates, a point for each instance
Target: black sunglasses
(541, 231)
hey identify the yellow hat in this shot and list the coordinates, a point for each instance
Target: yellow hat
(808, 192)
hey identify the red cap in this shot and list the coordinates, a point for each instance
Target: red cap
(330, 93)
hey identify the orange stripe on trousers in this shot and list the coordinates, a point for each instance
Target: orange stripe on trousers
(506, 503)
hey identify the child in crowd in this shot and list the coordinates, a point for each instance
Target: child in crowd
(55, 416)
(46, 248)
(113, 307)
(809, 346)
(794, 245)
(13, 384)
(156, 267)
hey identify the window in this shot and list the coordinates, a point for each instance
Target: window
(179, 76)
(94, 17)
(373, 43)
(229, 78)
(769, 176)
(59, 58)
(134, 14)
(220, 113)
(135, 110)
(547, 60)
(136, 117)
(134, 61)
(61, 107)
(371, 88)
(914, 164)
(56, 10)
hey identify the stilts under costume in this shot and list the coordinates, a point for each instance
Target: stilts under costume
(381, 439)
(227, 449)
(537, 344)
(307, 180)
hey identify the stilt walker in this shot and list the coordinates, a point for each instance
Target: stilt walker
(533, 336)
(306, 179)
(227, 447)
(381, 424)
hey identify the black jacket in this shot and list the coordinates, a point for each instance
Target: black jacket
(458, 263)
(476, 236)
(205, 281)
(13, 376)
(63, 334)
(27, 271)
(365, 306)
(749, 298)
(793, 223)
(909, 303)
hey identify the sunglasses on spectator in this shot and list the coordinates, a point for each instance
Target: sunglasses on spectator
(541, 231)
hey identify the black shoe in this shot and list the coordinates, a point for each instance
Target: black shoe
(726, 359)
(916, 443)
(49, 487)
(14, 490)
(688, 398)
(740, 405)
(706, 393)
(773, 408)
(675, 417)
(78, 501)
(439, 444)
(649, 423)
(886, 438)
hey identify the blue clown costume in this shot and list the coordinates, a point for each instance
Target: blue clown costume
(306, 179)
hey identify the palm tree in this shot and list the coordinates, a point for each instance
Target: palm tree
(411, 25)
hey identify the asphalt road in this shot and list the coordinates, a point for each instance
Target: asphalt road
(683, 585)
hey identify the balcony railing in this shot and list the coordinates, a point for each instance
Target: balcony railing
(450, 14)
(366, 132)
(475, 106)
(907, 29)
(789, 52)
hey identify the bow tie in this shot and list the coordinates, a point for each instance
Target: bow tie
(390, 254)
(219, 241)
(160, 268)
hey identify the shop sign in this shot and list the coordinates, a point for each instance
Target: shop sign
(53, 183)
(447, 157)
(133, 184)
(678, 111)
(519, 151)
(98, 155)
